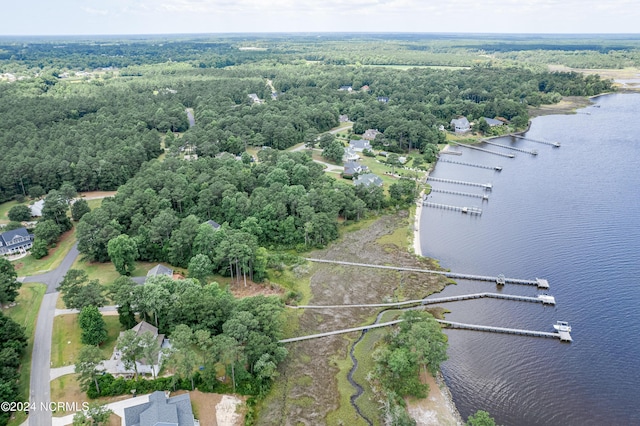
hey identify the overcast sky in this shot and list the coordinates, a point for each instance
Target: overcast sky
(73, 17)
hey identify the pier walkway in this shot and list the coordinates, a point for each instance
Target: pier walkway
(463, 194)
(486, 186)
(555, 144)
(477, 148)
(467, 210)
(563, 336)
(539, 282)
(464, 163)
(513, 148)
(544, 299)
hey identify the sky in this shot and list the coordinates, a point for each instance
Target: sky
(93, 17)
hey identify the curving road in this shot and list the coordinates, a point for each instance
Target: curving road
(41, 355)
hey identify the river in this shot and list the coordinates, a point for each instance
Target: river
(569, 215)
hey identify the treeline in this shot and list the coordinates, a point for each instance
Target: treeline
(284, 200)
(94, 137)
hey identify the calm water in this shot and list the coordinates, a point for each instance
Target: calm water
(570, 215)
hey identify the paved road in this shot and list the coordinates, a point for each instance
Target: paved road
(41, 355)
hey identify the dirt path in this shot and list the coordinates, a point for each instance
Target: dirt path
(308, 389)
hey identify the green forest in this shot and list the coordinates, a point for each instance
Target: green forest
(197, 135)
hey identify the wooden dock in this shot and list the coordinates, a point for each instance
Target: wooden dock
(463, 194)
(466, 210)
(486, 186)
(539, 282)
(544, 299)
(464, 163)
(563, 336)
(477, 148)
(513, 148)
(554, 144)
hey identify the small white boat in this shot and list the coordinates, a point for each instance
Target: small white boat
(562, 326)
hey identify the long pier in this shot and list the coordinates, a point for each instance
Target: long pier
(464, 163)
(486, 186)
(563, 336)
(467, 210)
(539, 282)
(513, 148)
(477, 148)
(464, 194)
(555, 144)
(544, 299)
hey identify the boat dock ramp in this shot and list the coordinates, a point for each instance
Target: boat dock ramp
(539, 282)
(555, 144)
(513, 148)
(486, 186)
(467, 210)
(464, 163)
(562, 335)
(464, 194)
(477, 148)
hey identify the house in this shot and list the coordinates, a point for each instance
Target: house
(402, 160)
(492, 122)
(115, 365)
(159, 270)
(383, 99)
(350, 155)
(343, 118)
(36, 208)
(370, 134)
(346, 89)
(368, 179)
(15, 242)
(460, 125)
(161, 410)
(255, 98)
(360, 145)
(352, 168)
(365, 88)
(215, 225)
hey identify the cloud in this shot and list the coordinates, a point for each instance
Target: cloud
(92, 11)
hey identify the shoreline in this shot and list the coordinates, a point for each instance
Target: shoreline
(448, 404)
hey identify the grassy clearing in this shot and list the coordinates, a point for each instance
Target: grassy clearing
(67, 389)
(106, 272)
(31, 266)
(94, 204)
(4, 210)
(25, 313)
(66, 343)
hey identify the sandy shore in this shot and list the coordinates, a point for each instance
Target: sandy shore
(417, 249)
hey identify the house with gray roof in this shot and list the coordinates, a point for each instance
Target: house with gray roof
(370, 134)
(15, 242)
(368, 179)
(382, 99)
(161, 410)
(360, 145)
(160, 270)
(215, 225)
(352, 168)
(115, 365)
(492, 122)
(350, 155)
(346, 89)
(460, 125)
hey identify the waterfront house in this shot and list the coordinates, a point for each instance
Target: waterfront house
(492, 122)
(460, 125)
